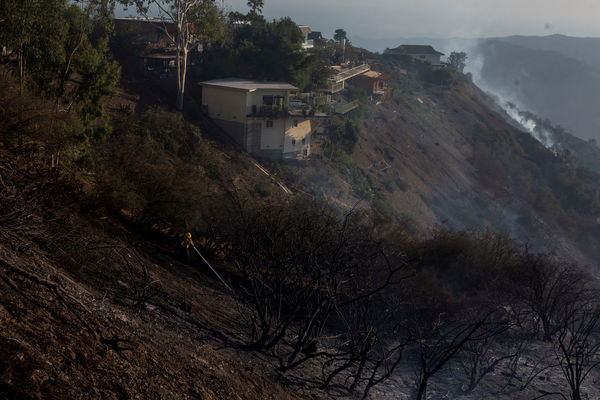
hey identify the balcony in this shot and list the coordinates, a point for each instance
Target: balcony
(344, 108)
(308, 44)
(334, 87)
(350, 73)
(268, 112)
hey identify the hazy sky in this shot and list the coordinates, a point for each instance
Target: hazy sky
(378, 19)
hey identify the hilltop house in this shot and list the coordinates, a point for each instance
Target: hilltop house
(259, 116)
(308, 43)
(423, 53)
(153, 46)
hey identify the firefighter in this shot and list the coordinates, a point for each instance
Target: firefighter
(187, 242)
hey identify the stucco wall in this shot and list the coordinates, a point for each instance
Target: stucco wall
(225, 104)
(272, 138)
(299, 133)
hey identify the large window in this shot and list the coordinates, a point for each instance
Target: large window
(270, 101)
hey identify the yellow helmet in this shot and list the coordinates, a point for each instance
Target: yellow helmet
(188, 235)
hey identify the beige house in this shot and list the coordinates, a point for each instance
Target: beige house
(259, 117)
(424, 53)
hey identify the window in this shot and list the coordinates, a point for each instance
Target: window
(269, 123)
(295, 122)
(294, 142)
(270, 101)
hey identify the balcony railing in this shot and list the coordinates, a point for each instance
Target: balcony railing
(349, 73)
(343, 108)
(308, 44)
(335, 87)
(268, 112)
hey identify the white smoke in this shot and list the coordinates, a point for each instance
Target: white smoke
(506, 99)
(541, 134)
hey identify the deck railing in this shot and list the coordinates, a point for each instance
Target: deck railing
(347, 74)
(343, 108)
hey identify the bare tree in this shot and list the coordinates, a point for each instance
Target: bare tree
(481, 358)
(541, 289)
(577, 345)
(305, 268)
(183, 15)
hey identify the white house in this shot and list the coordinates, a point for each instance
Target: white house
(257, 115)
(306, 32)
(423, 53)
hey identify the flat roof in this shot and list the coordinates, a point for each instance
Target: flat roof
(248, 85)
(378, 75)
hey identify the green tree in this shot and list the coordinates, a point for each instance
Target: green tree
(63, 48)
(256, 6)
(34, 31)
(458, 60)
(262, 50)
(340, 35)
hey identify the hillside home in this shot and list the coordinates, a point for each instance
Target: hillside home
(337, 82)
(375, 84)
(308, 43)
(259, 117)
(423, 53)
(154, 47)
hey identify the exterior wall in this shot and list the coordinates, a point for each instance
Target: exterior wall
(434, 59)
(272, 138)
(299, 133)
(230, 109)
(365, 83)
(225, 104)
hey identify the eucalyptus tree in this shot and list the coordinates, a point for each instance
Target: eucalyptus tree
(187, 17)
(33, 31)
(62, 48)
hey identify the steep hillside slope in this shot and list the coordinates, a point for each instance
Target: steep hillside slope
(545, 82)
(89, 311)
(442, 154)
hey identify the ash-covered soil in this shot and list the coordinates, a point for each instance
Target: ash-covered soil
(88, 311)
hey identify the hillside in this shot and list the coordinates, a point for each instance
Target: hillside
(555, 76)
(443, 155)
(545, 82)
(68, 282)
(427, 247)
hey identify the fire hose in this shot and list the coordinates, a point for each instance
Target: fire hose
(212, 269)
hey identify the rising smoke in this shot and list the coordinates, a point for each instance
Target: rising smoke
(506, 98)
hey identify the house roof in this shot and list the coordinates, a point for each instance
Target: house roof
(305, 29)
(417, 49)
(378, 75)
(248, 85)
